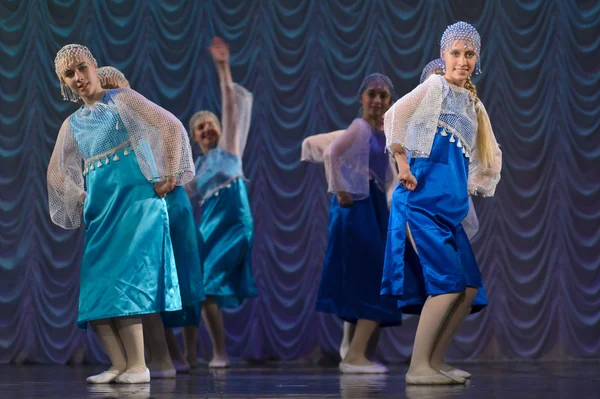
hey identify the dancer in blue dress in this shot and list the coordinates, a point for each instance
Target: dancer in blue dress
(189, 271)
(225, 227)
(441, 138)
(114, 161)
(358, 170)
(470, 223)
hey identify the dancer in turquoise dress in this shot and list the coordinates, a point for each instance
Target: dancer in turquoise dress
(445, 149)
(225, 227)
(114, 161)
(187, 260)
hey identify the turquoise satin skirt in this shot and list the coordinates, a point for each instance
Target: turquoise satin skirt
(187, 259)
(434, 212)
(128, 266)
(225, 235)
(352, 272)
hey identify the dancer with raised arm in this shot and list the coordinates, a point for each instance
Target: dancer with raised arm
(226, 227)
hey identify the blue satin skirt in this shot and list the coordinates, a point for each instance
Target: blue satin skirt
(434, 212)
(187, 259)
(225, 234)
(352, 272)
(128, 266)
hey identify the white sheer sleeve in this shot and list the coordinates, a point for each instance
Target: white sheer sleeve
(412, 121)
(313, 147)
(237, 115)
(191, 188)
(347, 161)
(149, 124)
(391, 181)
(483, 181)
(471, 223)
(65, 180)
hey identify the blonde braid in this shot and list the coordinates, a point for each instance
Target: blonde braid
(471, 87)
(484, 143)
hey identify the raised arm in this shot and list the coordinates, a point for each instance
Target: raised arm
(219, 50)
(65, 181)
(236, 102)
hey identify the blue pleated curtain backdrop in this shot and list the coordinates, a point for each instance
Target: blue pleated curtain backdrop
(538, 246)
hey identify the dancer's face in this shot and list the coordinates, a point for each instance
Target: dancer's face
(206, 133)
(80, 75)
(375, 100)
(460, 62)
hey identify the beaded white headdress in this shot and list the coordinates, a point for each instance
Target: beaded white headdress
(466, 32)
(65, 56)
(436, 66)
(376, 78)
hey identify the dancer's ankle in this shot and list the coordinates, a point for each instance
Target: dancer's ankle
(220, 356)
(437, 365)
(136, 368)
(422, 370)
(117, 368)
(358, 360)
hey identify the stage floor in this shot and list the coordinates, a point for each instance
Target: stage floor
(574, 380)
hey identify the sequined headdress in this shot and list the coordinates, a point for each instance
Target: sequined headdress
(436, 66)
(376, 78)
(65, 56)
(109, 75)
(463, 31)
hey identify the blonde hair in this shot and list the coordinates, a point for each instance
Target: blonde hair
(485, 148)
(203, 114)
